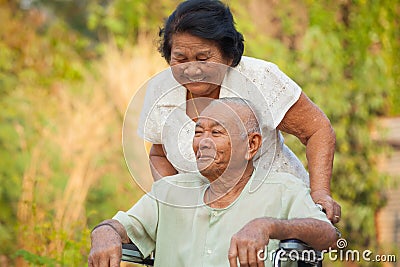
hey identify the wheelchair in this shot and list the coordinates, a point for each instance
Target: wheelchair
(296, 250)
(131, 253)
(290, 249)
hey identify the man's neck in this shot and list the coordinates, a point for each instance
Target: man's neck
(224, 190)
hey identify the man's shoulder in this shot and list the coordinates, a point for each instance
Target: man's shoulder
(183, 190)
(181, 179)
(285, 180)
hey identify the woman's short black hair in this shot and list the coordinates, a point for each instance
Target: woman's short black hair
(208, 19)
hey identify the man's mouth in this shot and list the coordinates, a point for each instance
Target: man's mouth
(205, 157)
(201, 155)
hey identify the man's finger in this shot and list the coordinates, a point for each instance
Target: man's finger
(115, 260)
(260, 261)
(261, 256)
(96, 260)
(90, 262)
(242, 253)
(233, 254)
(104, 262)
(252, 257)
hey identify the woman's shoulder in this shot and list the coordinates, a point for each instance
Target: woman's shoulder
(269, 78)
(261, 71)
(252, 63)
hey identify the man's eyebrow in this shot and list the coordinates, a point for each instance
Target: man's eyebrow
(213, 122)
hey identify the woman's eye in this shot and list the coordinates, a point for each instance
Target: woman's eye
(179, 58)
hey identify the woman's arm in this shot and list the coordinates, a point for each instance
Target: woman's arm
(159, 164)
(308, 123)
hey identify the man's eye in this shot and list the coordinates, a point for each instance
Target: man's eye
(216, 132)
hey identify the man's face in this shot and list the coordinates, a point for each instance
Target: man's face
(218, 143)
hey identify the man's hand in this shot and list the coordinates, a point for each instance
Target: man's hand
(330, 206)
(249, 243)
(106, 249)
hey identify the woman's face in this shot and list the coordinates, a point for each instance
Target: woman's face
(198, 64)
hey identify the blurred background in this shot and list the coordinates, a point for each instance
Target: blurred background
(68, 69)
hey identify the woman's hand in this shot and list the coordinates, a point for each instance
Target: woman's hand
(329, 205)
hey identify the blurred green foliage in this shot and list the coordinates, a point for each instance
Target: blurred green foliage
(345, 64)
(343, 54)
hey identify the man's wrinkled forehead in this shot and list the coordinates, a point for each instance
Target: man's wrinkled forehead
(211, 121)
(221, 114)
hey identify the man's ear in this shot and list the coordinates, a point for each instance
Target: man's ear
(255, 141)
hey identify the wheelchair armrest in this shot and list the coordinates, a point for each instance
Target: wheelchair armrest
(294, 244)
(131, 253)
(294, 249)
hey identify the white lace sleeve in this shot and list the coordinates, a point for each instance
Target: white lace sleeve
(278, 90)
(163, 95)
(149, 127)
(283, 93)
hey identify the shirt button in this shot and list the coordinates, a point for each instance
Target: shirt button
(214, 213)
(209, 251)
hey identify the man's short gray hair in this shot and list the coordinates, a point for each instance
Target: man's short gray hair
(251, 122)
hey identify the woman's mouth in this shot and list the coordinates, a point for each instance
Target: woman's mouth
(195, 80)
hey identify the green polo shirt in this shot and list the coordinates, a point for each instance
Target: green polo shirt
(173, 220)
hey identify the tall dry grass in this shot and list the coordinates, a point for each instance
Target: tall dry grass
(125, 71)
(85, 126)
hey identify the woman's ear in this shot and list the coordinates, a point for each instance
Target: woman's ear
(229, 62)
(255, 141)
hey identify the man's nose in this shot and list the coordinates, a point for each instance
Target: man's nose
(206, 143)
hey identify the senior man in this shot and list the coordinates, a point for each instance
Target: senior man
(213, 218)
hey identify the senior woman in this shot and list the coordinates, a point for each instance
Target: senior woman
(201, 44)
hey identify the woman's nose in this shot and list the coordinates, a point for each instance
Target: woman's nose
(192, 69)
